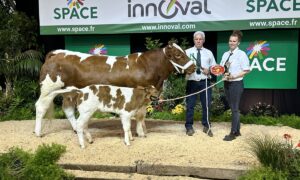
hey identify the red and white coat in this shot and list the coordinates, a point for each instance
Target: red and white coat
(127, 102)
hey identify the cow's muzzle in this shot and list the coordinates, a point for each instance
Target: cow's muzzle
(180, 69)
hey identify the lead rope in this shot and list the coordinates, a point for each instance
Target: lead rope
(165, 100)
(207, 119)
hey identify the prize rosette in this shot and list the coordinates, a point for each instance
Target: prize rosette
(217, 70)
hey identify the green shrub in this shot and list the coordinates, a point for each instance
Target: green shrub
(277, 155)
(13, 163)
(165, 115)
(21, 104)
(263, 109)
(263, 173)
(103, 115)
(174, 87)
(269, 151)
(217, 104)
(225, 117)
(46, 154)
(4, 105)
(59, 113)
(152, 43)
(18, 164)
(265, 120)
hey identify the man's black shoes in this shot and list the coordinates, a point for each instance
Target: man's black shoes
(231, 136)
(208, 131)
(190, 132)
(237, 133)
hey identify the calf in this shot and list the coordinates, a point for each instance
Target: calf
(127, 102)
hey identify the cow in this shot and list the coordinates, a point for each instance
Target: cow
(63, 68)
(125, 101)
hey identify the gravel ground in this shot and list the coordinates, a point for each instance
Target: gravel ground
(166, 143)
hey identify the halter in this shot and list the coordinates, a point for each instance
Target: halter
(178, 66)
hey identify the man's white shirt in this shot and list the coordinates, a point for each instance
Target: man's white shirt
(207, 60)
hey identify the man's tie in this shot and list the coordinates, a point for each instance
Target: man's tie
(227, 64)
(198, 61)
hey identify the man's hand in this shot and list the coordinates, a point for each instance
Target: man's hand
(205, 71)
(226, 76)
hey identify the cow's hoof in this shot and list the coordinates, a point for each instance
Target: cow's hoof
(75, 131)
(91, 142)
(142, 135)
(37, 134)
(127, 144)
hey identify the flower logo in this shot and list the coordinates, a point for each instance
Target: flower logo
(258, 49)
(99, 49)
(75, 3)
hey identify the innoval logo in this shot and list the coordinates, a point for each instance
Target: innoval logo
(171, 4)
(258, 49)
(75, 10)
(75, 3)
(167, 8)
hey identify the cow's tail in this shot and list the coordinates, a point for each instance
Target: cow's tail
(50, 111)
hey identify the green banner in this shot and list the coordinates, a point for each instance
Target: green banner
(273, 57)
(139, 16)
(171, 27)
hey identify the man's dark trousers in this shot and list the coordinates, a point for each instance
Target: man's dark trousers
(192, 87)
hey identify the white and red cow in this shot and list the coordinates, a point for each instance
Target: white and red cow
(127, 102)
(64, 68)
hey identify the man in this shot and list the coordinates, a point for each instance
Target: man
(199, 80)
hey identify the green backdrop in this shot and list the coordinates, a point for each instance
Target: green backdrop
(117, 45)
(273, 56)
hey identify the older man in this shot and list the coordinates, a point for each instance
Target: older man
(197, 81)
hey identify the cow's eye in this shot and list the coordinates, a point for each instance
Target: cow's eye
(178, 56)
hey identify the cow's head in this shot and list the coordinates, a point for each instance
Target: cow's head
(177, 56)
(151, 93)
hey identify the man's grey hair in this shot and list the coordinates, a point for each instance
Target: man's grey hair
(199, 33)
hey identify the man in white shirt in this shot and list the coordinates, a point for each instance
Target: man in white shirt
(197, 81)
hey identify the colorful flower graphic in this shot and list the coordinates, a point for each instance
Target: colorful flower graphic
(99, 49)
(258, 48)
(75, 3)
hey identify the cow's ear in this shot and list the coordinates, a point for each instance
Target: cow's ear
(173, 41)
(170, 44)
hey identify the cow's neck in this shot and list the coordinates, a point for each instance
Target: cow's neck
(164, 72)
